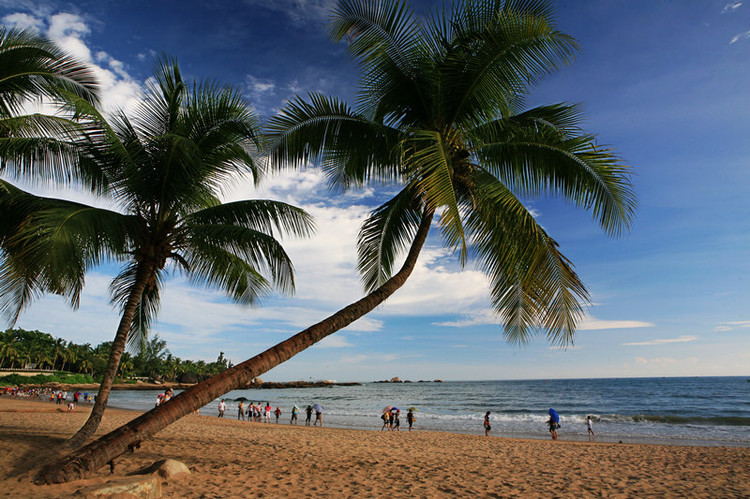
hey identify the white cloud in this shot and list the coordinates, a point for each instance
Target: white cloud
(681, 339)
(731, 326)
(731, 7)
(333, 341)
(118, 90)
(24, 21)
(590, 323)
(739, 37)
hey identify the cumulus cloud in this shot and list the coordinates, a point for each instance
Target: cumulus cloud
(24, 21)
(664, 341)
(69, 31)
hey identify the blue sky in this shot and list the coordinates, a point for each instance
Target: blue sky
(664, 82)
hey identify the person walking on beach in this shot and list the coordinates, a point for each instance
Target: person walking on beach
(397, 421)
(386, 417)
(410, 418)
(309, 415)
(222, 408)
(267, 415)
(590, 426)
(241, 411)
(295, 410)
(277, 413)
(487, 426)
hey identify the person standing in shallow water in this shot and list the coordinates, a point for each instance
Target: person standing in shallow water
(222, 408)
(590, 426)
(487, 426)
(308, 411)
(410, 418)
(241, 411)
(318, 417)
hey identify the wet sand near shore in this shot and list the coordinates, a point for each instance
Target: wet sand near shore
(230, 458)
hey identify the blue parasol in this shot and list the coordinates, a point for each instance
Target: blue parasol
(318, 408)
(554, 416)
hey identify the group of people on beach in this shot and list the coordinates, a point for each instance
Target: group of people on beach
(61, 397)
(392, 419)
(262, 413)
(52, 395)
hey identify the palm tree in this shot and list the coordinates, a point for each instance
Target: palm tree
(440, 114)
(166, 168)
(8, 350)
(58, 350)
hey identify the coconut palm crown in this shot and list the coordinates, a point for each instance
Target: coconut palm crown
(166, 168)
(440, 112)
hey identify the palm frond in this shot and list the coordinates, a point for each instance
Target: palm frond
(352, 149)
(235, 248)
(388, 230)
(32, 66)
(496, 51)
(212, 266)
(533, 286)
(542, 150)
(428, 165)
(267, 216)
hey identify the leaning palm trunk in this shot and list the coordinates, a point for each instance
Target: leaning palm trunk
(118, 347)
(129, 436)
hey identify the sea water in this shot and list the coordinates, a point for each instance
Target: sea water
(683, 411)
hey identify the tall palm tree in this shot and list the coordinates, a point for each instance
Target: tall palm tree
(165, 167)
(439, 114)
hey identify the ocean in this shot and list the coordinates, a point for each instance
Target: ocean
(682, 411)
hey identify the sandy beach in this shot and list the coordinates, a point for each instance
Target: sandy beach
(230, 458)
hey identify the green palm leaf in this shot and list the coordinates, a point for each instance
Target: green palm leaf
(388, 231)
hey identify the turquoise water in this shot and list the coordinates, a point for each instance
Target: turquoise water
(684, 411)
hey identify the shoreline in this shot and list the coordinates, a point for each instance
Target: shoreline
(230, 458)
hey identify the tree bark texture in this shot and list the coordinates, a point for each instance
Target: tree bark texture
(118, 347)
(93, 456)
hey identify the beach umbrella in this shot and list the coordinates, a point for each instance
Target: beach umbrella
(295, 407)
(412, 409)
(318, 408)
(554, 415)
(394, 409)
(387, 408)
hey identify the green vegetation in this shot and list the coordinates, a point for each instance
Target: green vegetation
(40, 379)
(73, 363)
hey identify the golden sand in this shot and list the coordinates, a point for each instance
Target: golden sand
(230, 458)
